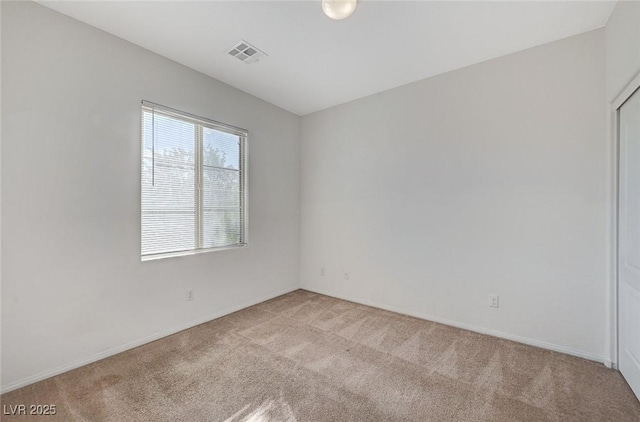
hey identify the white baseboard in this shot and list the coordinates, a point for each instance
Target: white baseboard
(136, 343)
(525, 340)
(610, 364)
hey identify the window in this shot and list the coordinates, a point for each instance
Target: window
(193, 183)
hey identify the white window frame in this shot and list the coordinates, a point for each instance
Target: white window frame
(201, 122)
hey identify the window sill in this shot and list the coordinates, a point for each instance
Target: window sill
(190, 252)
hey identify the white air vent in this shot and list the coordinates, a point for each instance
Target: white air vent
(246, 52)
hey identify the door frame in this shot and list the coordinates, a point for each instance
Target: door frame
(611, 295)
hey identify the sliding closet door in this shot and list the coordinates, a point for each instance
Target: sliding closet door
(629, 242)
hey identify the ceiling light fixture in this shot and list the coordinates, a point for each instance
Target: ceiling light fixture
(338, 9)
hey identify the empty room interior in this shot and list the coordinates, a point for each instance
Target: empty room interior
(320, 210)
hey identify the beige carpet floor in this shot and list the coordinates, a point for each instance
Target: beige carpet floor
(308, 357)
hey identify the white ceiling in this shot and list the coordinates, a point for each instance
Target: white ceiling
(314, 62)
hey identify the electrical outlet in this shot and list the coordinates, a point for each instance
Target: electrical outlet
(322, 271)
(345, 274)
(493, 301)
(190, 295)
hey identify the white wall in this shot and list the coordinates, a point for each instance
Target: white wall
(622, 46)
(489, 179)
(73, 286)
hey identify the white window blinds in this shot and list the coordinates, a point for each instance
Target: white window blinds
(193, 178)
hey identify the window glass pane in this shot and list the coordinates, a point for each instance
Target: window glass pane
(221, 227)
(171, 232)
(168, 184)
(221, 188)
(220, 149)
(221, 207)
